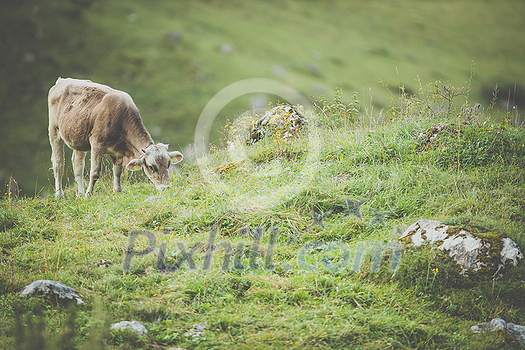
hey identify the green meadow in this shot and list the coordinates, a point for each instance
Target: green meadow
(291, 246)
(289, 243)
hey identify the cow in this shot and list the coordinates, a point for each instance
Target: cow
(92, 117)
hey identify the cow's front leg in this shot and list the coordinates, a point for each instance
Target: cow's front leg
(117, 172)
(78, 169)
(96, 165)
(57, 158)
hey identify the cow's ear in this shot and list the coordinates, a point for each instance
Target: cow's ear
(135, 164)
(175, 156)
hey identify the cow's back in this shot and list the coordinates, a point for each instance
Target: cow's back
(77, 108)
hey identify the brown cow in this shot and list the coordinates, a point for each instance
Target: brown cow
(89, 116)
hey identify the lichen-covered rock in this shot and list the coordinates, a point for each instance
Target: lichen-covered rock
(133, 326)
(49, 287)
(429, 136)
(517, 332)
(484, 253)
(281, 123)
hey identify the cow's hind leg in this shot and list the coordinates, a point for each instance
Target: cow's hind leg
(78, 168)
(97, 153)
(57, 159)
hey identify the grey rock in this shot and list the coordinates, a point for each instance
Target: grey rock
(516, 331)
(175, 36)
(225, 49)
(133, 326)
(196, 331)
(473, 252)
(51, 287)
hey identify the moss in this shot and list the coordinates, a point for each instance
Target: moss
(489, 254)
(453, 231)
(228, 167)
(408, 238)
(504, 337)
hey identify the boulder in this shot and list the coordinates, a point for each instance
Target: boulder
(133, 326)
(517, 332)
(429, 136)
(483, 253)
(48, 287)
(281, 123)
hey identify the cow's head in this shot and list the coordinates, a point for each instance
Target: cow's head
(155, 161)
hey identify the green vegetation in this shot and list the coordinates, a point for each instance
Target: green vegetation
(337, 195)
(174, 56)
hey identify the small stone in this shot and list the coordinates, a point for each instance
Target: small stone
(199, 327)
(225, 49)
(175, 36)
(133, 326)
(103, 263)
(51, 287)
(516, 331)
(196, 331)
(132, 17)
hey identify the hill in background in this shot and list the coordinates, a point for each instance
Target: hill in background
(173, 57)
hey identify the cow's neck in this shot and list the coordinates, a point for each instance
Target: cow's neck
(139, 146)
(138, 137)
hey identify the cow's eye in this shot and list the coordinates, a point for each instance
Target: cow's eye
(151, 168)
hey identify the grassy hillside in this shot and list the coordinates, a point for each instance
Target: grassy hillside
(343, 188)
(174, 56)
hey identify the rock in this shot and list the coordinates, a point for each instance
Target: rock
(175, 36)
(133, 326)
(196, 331)
(51, 287)
(474, 252)
(516, 331)
(281, 122)
(103, 263)
(429, 136)
(225, 49)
